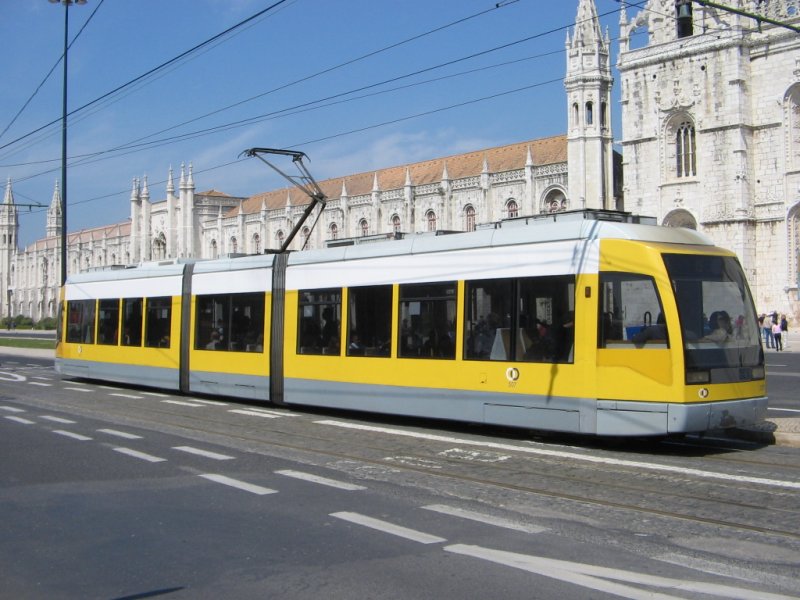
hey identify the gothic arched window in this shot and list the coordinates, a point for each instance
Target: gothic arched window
(234, 245)
(363, 225)
(396, 223)
(792, 126)
(469, 218)
(305, 234)
(430, 217)
(333, 231)
(256, 243)
(685, 150)
(589, 113)
(512, 209)
(279, 237)
(214, 249)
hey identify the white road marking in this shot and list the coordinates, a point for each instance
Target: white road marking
(785, 409)
(74, 436)
(131, 396)
(42, 378)
(12, 409)
(39, 383)
(205, 453)
(386, 527)
(610, 581)
(78, 389)
(321, 480)
(253, 413)
(20, 420)
(276, 413)
(6, 376)
(569, 455)
(241, 485)
(121, 434)
(481, 518)
(57, 420)
(209, 402)
(182, 403)
(140, 455)
(156, 394)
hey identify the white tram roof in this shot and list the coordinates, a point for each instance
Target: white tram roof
(508, 233)
(559, 227)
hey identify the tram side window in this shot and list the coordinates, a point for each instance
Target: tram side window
(528, 319)
(80, 321)
(631, 315)
(427, 320)
(369, 317)
(132, 321)
(158, 321)
(487, 315)
(108, 322)
(230, 322)
(319, 322)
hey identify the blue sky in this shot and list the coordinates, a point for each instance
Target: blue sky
(462, 106)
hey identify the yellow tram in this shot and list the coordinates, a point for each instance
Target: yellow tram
(586, 322)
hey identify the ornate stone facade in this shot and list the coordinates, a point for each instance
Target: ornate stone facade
(711, 133)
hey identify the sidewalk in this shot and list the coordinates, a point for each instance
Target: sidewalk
(783, 431)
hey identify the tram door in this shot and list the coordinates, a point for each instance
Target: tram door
(633, 357)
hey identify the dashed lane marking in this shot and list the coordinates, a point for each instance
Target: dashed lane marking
(182, 403)
(485, 519)
(78, 389)
(253, 413)
(350, 487)
(209, 402)
(57, 420)
(12, 409)
(120, 434)
(139, 455)
(40, 383)
(21, 420)
(390, 528)
(74, 436)
(205, 453)
(131, 396)
(156, 394)
(240, 485)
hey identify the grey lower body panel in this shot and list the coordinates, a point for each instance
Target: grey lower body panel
(157, 377)
(249, 387)
(570, 415)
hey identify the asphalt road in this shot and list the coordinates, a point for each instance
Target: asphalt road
(783, 383)
(114, 492)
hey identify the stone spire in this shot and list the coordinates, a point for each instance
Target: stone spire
(54, 214)
(587, 27)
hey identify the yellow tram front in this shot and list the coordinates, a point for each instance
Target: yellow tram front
(676, 323)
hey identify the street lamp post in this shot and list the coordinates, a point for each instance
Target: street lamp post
(66, 4)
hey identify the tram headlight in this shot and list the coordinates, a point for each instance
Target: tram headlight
(698, 377)
(758, 373)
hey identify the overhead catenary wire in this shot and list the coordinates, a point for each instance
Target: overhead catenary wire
(154, 69)
(50, 72)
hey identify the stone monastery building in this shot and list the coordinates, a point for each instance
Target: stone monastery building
(710, 140)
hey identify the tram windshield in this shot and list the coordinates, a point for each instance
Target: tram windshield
(718, 319)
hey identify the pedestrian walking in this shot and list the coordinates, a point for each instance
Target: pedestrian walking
(766, 330)
(776, 335)
(784, 331)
